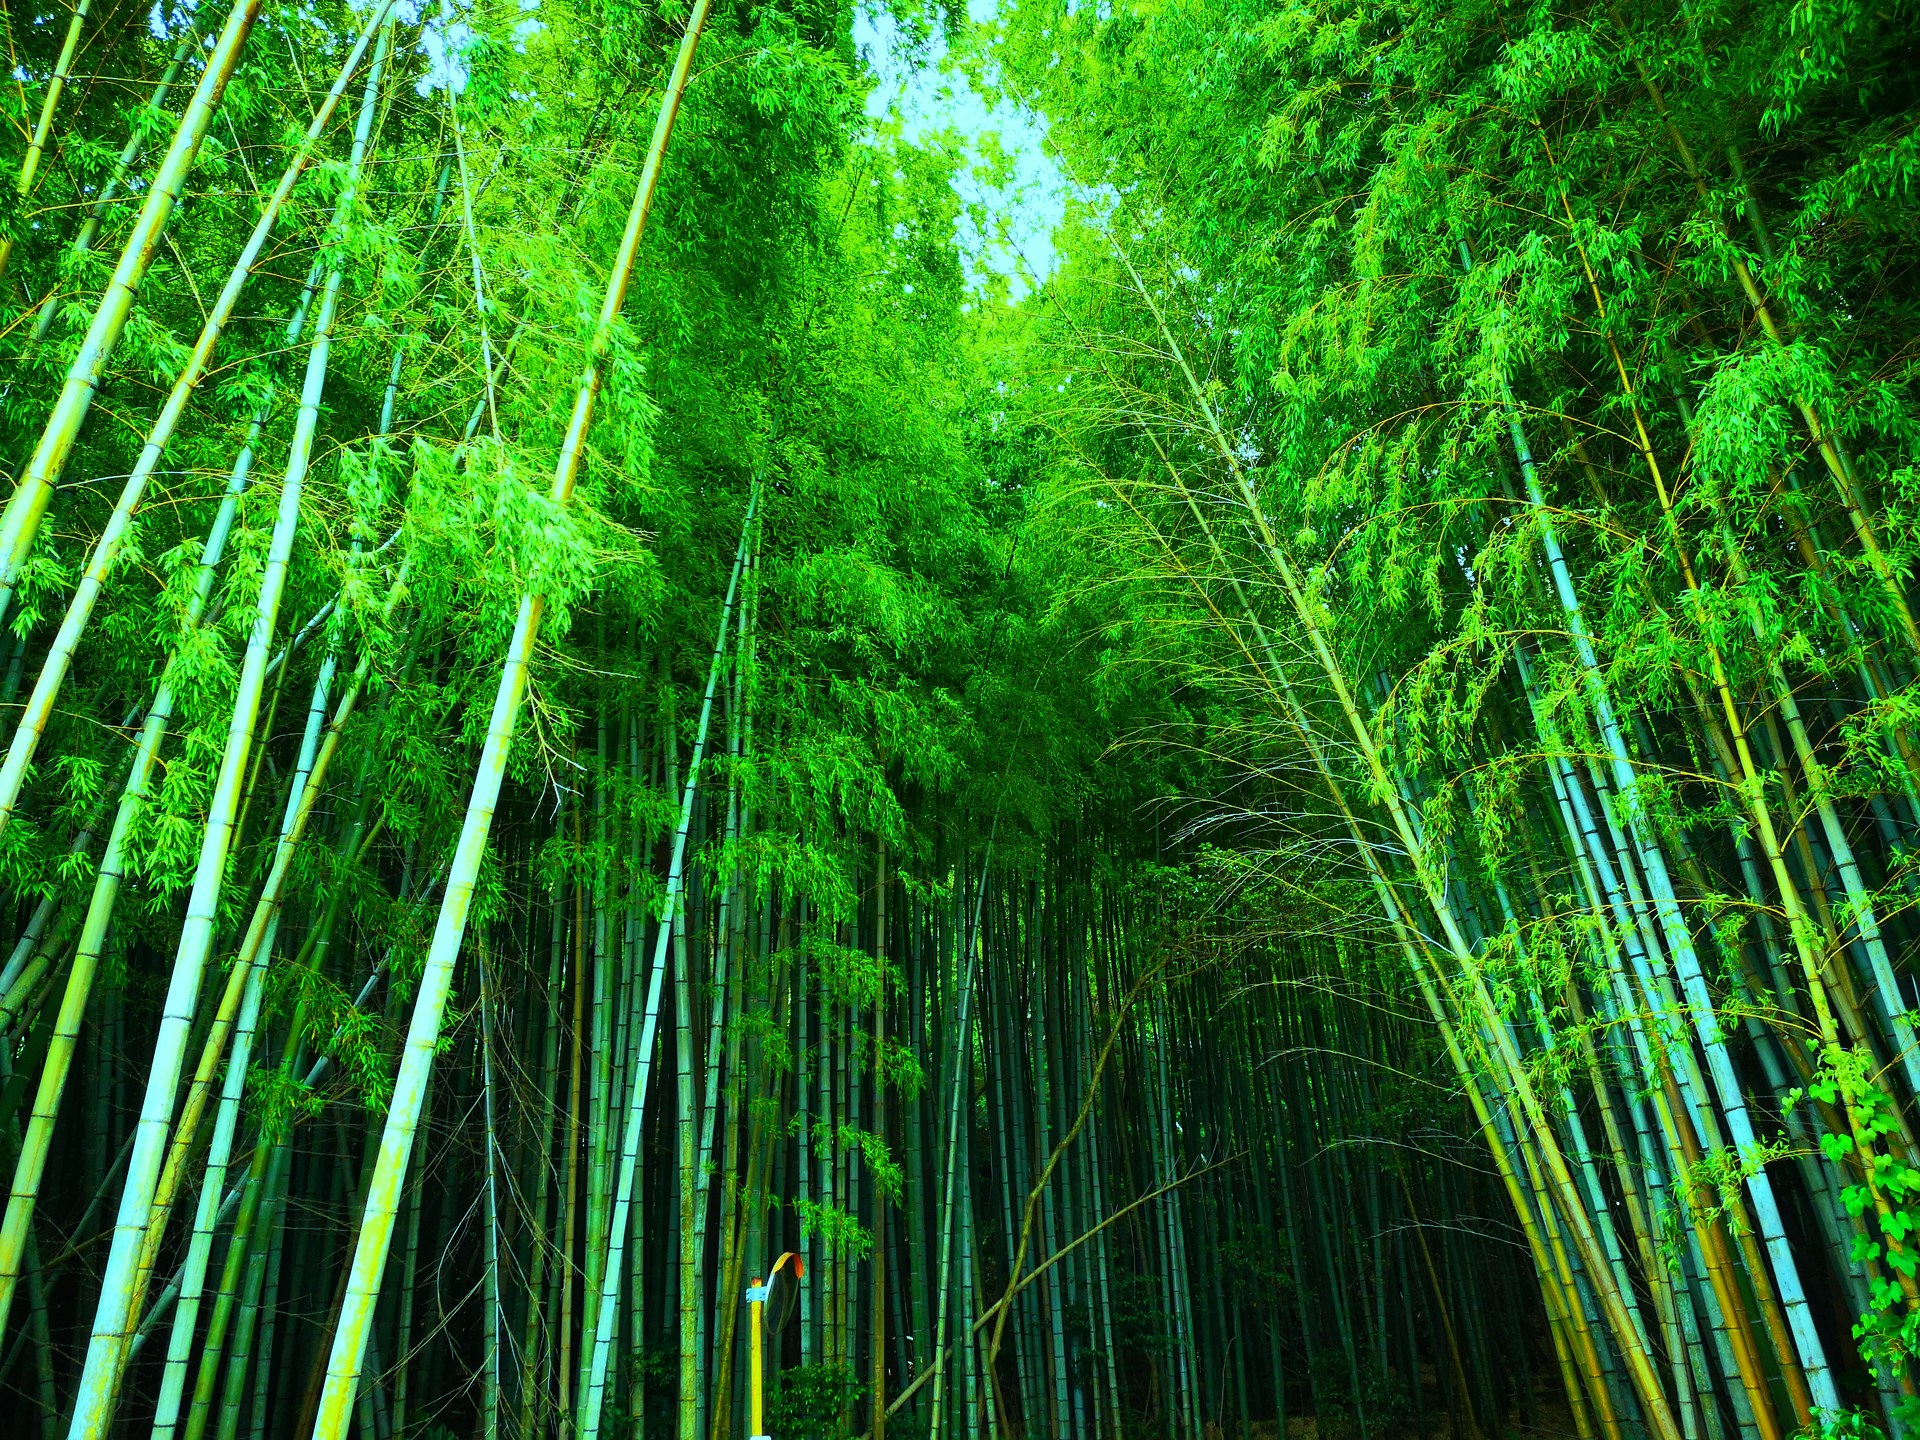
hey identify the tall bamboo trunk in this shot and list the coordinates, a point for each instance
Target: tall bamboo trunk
(403, 1114)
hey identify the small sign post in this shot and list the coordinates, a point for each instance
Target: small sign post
(757, 1296)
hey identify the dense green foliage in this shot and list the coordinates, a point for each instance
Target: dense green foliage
(1314, 821)
(1510, 412)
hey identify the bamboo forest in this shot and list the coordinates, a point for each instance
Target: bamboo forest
(1050, 719)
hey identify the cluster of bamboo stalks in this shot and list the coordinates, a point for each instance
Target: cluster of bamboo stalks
(1591, 656)
(335, 1107)
(445, 975)
(1657, 1020)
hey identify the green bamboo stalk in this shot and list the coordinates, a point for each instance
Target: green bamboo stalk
(722, 988)
(969, 938)
(113, 1320)
(403, 1114)
(742, 1199)
(877, 1422)
(534, 1336)
(31, 1165)
(599, 1099)
(248, 971)
(491, 1317)
(308, 779)
(266, 1169)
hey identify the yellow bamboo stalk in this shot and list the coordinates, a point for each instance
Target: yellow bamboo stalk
(20, 522)
(375, 1236)
(1573, 1313)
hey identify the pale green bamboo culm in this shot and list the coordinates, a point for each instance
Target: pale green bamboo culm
(115, 1318)
(112, 1322)
(250, 968)
(21, 520)
(375, 1237)
(30, 1167)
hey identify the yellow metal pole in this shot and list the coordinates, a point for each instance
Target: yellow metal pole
(757, 1301)
(757, 1296)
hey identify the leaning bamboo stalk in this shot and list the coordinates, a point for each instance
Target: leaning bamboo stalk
(112, 1320)
(30, 1167)
(936, 1364)
(309, 781)
(1860, 903)
(29, 172)
(244, 981)
(266, 1174)
(106, 549)
(1058, 1152)
(1670, 1047)
(112, 1324)
(129, 157)
(375, 1234)
(722, 1036)
(739, 1209)
(480, 303)
(21, 1001)
(686, 1106)
(175, 1288)
(20, 522)
(29, 941)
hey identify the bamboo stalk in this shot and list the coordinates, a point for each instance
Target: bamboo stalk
(20, 521)
(403, 1114)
